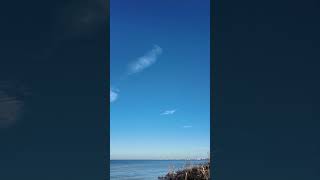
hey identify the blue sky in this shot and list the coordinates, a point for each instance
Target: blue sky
(160, 79)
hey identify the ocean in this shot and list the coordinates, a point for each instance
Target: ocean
(145, 169)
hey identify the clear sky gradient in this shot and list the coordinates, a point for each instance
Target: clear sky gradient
(160, 79)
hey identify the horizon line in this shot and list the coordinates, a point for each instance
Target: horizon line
(158, 159)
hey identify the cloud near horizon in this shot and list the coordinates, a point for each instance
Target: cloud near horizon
(145, 61)
(113, 95)
(168, 112)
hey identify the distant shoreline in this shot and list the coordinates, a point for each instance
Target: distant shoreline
(150, 168)
(159, 159)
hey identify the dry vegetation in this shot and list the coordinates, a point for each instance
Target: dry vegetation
(196, 172)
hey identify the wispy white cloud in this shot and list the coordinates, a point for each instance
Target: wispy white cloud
(187, 126)
(168, 112)
(145, 61)
(113, 95)
(139, 65)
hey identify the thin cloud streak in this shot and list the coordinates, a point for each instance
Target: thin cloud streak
(187, 126)
(139, 65)
(145, 61)
(113, 95)
(168, 112)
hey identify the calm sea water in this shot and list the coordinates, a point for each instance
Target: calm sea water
(144, 169)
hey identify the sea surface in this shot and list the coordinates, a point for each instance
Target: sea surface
(146, 169)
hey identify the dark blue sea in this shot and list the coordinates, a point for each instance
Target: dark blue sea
(146, 169)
